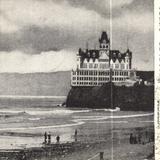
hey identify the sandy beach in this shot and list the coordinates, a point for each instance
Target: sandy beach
(22, 130)
(116, 147)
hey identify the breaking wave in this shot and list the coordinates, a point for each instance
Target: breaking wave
(95, 118)
(44, 127)
(78, 120)
(43, 112)
(33, 119)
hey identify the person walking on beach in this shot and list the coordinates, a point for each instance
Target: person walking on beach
(134, 139)
(131, 139)
(139, 138)
(75, 135)
(146, 137)
(45, 137)
(58, 139)
(49, 138)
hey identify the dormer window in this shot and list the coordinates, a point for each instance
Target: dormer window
(88, 54)
(127, 66)
(116, 66)
(90, 65)
(122, 66)
(94, 54)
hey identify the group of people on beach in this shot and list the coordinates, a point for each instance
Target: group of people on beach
(47, 137)
(141, 138)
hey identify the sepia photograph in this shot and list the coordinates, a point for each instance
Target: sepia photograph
(77, 80)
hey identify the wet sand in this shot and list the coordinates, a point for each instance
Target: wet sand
(115, 146)
(93, 138)
(22, 130)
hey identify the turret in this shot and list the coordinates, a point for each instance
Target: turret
(104, 42)
(79, 58)
(80, 51)
(128, 58)
(104, 46)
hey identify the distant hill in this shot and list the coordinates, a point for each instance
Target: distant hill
(43, 84)
(35, 84)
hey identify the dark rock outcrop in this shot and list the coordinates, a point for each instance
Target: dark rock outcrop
(135, 98)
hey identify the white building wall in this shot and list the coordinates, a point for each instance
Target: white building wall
(97, 77)
(97, 72)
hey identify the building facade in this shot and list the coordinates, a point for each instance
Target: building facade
(98, 66)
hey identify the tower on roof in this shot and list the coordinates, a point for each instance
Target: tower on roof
(104, 46)
(104, 42)
(104, 36)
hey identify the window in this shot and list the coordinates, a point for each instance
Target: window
(122, 66)
(90, 65)
(96, 66)
(127, 66)
(85, 65)
(116, 66)
(100, 65)
(103, 66)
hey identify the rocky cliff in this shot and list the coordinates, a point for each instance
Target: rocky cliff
(135, 98)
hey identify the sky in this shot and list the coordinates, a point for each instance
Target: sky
(44, 35)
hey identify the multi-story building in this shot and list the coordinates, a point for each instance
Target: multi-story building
(98, 66)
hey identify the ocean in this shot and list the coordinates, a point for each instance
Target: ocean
(24, 120)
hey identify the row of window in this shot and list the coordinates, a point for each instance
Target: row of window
(101, 73)
(91, 78)
(119, 66)
(87, 83)
(104, 66)
(83, 83)
(91, 65)
(98, 79)
(120, 73)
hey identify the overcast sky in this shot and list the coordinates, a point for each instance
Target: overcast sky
(44, 35)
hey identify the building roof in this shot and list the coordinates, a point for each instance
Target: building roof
(113, 54)
(116, 54)
(104, 36)
(94, 53)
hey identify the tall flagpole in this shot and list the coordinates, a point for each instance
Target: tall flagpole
(111, 88)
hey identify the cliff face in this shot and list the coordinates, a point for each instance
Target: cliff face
(136, 98)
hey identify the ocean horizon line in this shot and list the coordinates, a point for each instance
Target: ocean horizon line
(29, 96)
